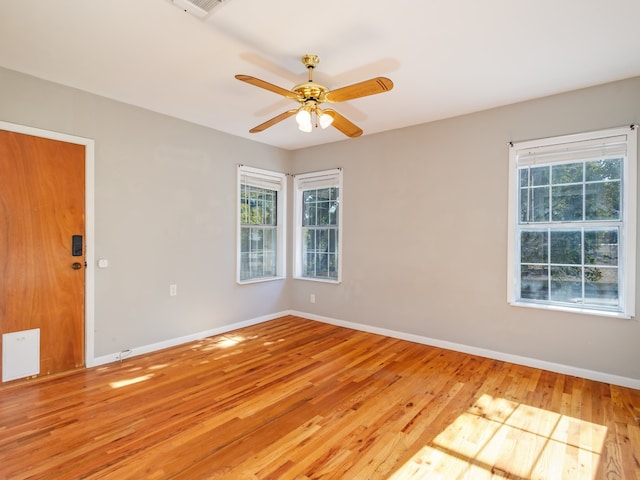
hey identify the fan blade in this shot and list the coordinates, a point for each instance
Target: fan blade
(345, 126)
(268, 86)
(273, 121)
(362, 89)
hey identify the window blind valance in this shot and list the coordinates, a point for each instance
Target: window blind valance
(610, 143)
(262, 178)
(566, 152)
(311, 181)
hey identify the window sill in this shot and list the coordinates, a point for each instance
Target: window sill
(321, 280)
(258, 280)
(580, 311)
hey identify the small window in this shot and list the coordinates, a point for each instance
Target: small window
(261, 237)
(318, 220)
(572, 222)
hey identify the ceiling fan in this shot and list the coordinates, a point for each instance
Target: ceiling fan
(311, 95)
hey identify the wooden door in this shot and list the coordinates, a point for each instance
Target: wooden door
(41, 207)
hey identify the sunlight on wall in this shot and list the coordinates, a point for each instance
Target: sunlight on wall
(500, 437)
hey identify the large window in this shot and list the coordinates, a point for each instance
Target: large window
(261, 244)
(318, 220)
(572, 222)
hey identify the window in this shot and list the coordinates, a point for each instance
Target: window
(261, 244)
(318, 220)
(572, 222)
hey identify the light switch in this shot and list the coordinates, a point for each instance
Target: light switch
(103, 263)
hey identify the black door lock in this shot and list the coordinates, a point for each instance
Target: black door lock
(76, 245)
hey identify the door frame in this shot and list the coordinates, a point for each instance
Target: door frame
(89, 221)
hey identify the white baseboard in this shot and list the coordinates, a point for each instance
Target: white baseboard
(458, 347)
(132, 352)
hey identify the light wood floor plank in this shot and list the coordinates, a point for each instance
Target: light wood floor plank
(298, 399)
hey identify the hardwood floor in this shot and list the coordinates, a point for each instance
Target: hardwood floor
(297, 399)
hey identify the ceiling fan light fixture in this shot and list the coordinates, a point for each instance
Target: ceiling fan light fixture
(303, 117)
(324, 119)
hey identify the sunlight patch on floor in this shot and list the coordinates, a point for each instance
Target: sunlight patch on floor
(500, 438)
(224, 341)
(130, 381)
(159, 366)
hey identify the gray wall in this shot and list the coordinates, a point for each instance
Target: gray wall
(165, 195)
(425, 233)
(425, 229)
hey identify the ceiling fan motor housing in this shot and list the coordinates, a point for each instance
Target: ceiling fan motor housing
(310, 91)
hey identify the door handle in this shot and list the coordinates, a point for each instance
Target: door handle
(76, 266)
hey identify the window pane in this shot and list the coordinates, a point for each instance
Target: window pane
(322, 267)
(601, 247)
(270, 208)
(309, 196)
(600, 170)
(324, 194)
(256, 264)
(601, 286)
(269, 253)
(566, 284)
(309, 239)
(533, 247)
(524, 177)
(333, 266)
(335, 212)
(568, 173)
(539, 176)
(566, 247)
(244, 205)
(524, 205)
(256, 239)
(602, 201)
(244, 266)
(257, 206)
(534, 282)
(309, 214)
(567, 203)
(540, 204)
(333, 242)
(322, 240)
(323, 213)
(269, 239)
(244, 239)
(308, 265)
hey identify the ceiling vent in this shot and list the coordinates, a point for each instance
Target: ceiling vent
(199, 8)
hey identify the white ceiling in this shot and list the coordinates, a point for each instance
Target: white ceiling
(446, 57)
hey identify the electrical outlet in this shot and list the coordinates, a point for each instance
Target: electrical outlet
(173, 290)
(312, 298)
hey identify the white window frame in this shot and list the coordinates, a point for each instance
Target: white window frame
(583, 146)
(276, 181)
(307, 181)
